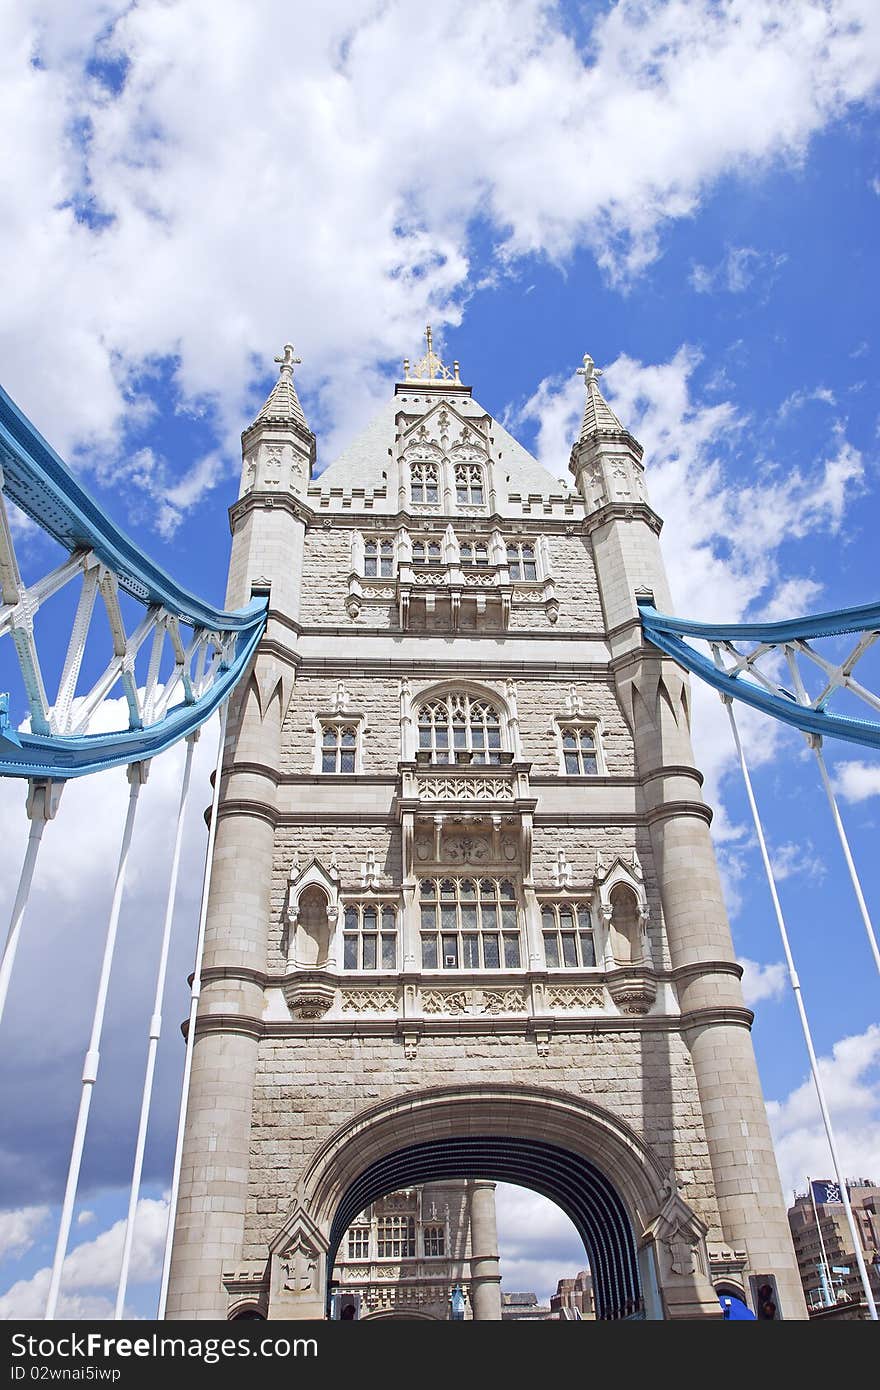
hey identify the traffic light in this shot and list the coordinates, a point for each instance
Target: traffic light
(765, 1297)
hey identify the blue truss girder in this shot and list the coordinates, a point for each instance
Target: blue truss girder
(666, 633)
(42, 486)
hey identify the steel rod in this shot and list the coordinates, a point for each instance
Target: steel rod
(796, 987)
(155, 1032)
(93, 1057)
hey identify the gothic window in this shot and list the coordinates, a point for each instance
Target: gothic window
(469, 924)
(338, 747)
(359, 1243)
(378, 559)
(370, 937)
(435, 1240)
(580, 749)
(474, 553)
(424, 482)
(468, 485)
(521, 561)
(426, 553)
(457, 724)
(395, 1237)
(568, 935)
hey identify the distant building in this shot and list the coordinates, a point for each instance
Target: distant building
(406, 1255)
(574, 1298)
(840, 1291)
(523, 1307)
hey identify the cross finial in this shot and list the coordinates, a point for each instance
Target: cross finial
(589, 371)
(287, 361)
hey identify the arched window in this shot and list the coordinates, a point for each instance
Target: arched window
(459, 723)
(426, 553)
(378, 559)
(521, 561)
(474, 553)
(568, 935)
(469, 924)
(338, 747)
(424, 482)
(579, 754)
(370, 937)
(468, 485)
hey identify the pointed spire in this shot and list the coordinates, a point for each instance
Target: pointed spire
(598, 415)
(282, 405)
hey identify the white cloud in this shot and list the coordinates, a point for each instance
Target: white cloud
(537, 1242)
(851, 1080)
(736, 272)
(127, 205)
(856, 781)
(18, 1230)
(92, 1268)
(762, 981)
(85, 1218)
(791, 859)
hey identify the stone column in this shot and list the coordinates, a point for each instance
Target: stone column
(485, 1267)
(211, 1209)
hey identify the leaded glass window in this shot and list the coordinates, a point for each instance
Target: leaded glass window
(359, 1243)
(426, 553)
(435, 1240)
(468, 485)
(458, 723)
(370, 937)
(338, 747)
(579, 752)
(395, 1237)
(469, 924)
(474, 553)
(378, 559)
(521, 561)
(568, 935)
(424, 482)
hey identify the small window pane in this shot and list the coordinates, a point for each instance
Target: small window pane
(328, 762)
(511, 952)
(350, 958)
(351, 919)
(346, 762)
(389, 952)
(429, 952)
(369, 919)
(450, 951)
(389, 919)
(548, 921)
(468, 890)
(551, 949)
(369, 953)
(470, 951)
(491, 952)
(588, 950)
(569, 950)
(571, 764)
(428, 890)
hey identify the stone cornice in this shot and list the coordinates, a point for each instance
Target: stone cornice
(619, 511)
(425, 1027)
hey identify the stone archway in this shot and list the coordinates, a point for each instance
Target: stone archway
(645, 1244)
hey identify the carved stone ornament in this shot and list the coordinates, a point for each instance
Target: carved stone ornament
(446, 1001)
(309, 999)
(503, 1001)
(633, 991)
(298, 1264)
(575, 997)
(372, 1001)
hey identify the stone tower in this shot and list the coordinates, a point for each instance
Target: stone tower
(465, 920)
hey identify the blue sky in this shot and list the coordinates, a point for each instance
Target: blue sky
(689, 191)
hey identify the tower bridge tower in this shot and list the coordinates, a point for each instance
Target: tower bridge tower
(465, 919)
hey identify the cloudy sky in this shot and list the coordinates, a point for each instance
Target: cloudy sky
(688, 190)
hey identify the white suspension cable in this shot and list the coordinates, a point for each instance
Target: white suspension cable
(195, 992)
(155, 1032)
(847, 854)
(137, 775)
(40, 808)
(796, 987)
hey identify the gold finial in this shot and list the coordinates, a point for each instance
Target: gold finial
(430, 368)
(589, 371)
(287, 360)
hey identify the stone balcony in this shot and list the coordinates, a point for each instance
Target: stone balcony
(476, 784)
(451, 596)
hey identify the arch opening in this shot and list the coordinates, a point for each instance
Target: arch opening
(577, 1186)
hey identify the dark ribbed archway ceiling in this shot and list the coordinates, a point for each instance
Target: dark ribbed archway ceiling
(576, 1186)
